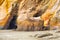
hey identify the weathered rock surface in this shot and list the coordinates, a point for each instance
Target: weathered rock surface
(32, 12)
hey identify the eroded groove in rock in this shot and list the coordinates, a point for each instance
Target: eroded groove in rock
(1, 2)
(13, 16)
(5, 10)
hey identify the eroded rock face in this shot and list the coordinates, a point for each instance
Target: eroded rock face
(28, 10)
(5, 10)
(55, 20)
(32, 13)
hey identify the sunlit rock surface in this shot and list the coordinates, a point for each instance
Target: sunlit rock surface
(31, 14)
(5, 11)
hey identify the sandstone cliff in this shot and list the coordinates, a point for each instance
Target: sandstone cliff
(31, 14)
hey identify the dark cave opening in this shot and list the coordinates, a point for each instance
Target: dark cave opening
(12, 24)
